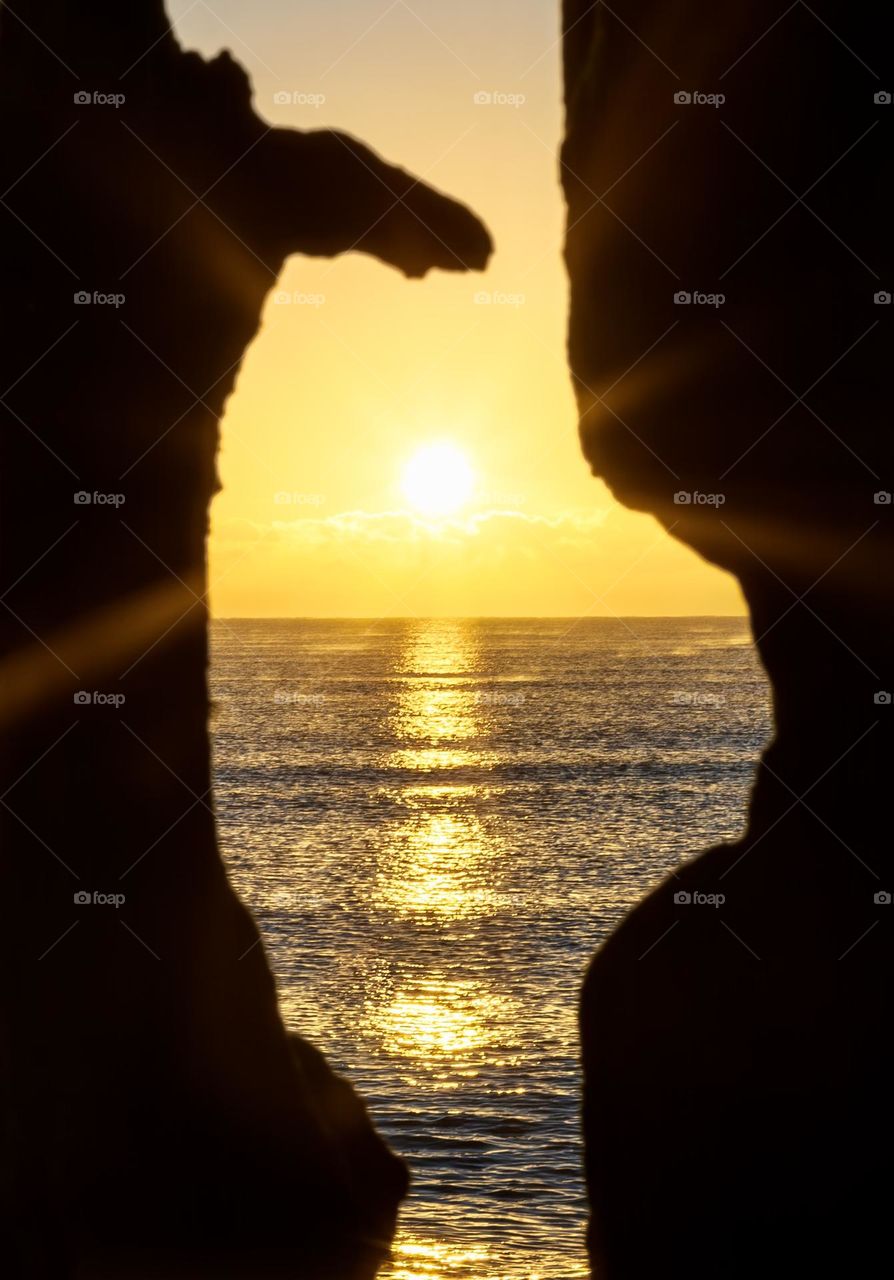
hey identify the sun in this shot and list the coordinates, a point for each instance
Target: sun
(438, 479)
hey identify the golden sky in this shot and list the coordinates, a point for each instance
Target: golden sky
(360, 369)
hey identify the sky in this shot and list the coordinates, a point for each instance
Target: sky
(361, 371)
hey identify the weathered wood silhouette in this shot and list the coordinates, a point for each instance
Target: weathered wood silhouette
(156, 1120)
(737, 1055)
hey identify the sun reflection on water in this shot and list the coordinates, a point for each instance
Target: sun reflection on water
(437, 715)
(442, 861)
(424, 1258)
(428, 1259)
(437, 1018)
(440, 866)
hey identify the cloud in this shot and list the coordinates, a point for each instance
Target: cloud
(601, 560)
(405, 529)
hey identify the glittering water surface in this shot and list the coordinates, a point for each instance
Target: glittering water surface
(436, 823)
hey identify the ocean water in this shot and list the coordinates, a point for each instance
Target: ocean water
(436, 823)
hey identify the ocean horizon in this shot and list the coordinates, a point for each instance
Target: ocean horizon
(473, 617)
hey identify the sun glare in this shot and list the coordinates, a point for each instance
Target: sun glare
(438, 479)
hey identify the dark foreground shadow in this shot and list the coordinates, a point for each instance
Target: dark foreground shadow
(156, 1120)
(730, 322)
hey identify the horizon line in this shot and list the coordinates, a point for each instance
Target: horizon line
(468, 617)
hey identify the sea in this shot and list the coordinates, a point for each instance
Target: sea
(436, 822)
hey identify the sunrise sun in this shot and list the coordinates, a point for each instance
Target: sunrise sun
(438, 479)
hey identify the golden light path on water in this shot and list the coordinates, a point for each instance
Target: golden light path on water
(441, 860)
(442, 863)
